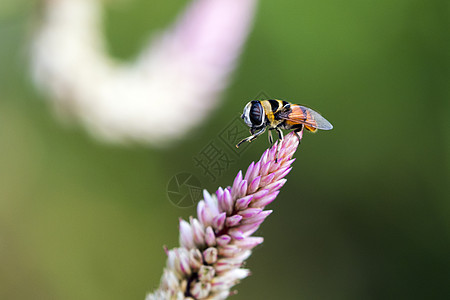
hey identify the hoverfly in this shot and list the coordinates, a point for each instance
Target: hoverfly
(278, 114)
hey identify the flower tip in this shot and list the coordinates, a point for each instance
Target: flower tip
(210, 255)
(249, 171)
(206, 195)
(243, 203)
(238, 179)
(219, 221)
(210, 237)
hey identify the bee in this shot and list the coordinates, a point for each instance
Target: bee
(278, 114)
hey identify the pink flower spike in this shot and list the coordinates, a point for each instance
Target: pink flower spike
(195, 259)
(250, 212)
(260, 194)
(184, 262)
(227, 264)
(242, 190)
(267, 179)
(264, 201)
(282, 153)
(233, 275)
(265, 168)
(256, 170)
(219, 194)
(236, 234)
(227, 202)
(223, 240)
(203, 214)
(242, 256)
(186, 235)
(276, 185)
(243, 203)
(289, 162)
(211, 203)
(273, 151)
(200, 290)
(233, 220)
(229, 250)
(210, 237)
(170, 280)
(254, 185)
(219, 285)
(258, 218)
(172, 261)
(249, 229)
(198, 232)
(210, 255)
(249, 171)
(219, 221)
(249, 242)
(236, 185)
(275, 166)
(206, 273)
(228, 222)
(281, 173)
(264, 157)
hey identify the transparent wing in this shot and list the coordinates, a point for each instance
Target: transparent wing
(304, 115)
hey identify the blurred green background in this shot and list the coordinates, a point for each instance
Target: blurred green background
(366, 210)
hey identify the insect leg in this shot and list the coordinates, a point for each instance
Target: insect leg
(280, 133)
(270, 137)
(244, 140)
(252, 137)
(257, 134)
(296, 131)
(280, 136)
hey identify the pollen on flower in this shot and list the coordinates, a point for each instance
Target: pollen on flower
(213, 247)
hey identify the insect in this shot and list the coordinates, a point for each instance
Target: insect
(278, 114)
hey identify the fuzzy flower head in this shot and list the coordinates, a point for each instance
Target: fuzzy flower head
(214, 245)
(185, 67)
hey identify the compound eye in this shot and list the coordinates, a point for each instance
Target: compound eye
(256, 113)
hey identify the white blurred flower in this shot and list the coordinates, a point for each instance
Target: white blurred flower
(170, 88)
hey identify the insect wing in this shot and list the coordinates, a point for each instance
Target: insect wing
(303, 115)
